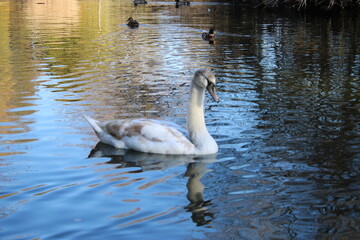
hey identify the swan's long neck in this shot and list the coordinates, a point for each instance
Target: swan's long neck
(195, 117)
(198, 132)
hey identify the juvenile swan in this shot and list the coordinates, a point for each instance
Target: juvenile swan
(155, 136)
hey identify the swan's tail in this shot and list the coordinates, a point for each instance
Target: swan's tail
(94, 124)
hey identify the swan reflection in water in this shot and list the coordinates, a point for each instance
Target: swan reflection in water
(195, 170)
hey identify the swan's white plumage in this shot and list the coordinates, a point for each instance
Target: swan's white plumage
(154, 136)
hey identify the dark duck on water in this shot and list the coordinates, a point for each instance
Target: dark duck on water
(182, 3)
(132, 23)
(139, 2)
(208, 36)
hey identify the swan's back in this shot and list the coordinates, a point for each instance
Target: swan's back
(143, 135)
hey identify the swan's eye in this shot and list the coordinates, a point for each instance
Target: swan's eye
(210, 83)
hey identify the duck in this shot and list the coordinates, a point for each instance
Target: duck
(132, 23)
(137, 2)
(208, 36)
(182, 3)
(140, 2)
(161, 137)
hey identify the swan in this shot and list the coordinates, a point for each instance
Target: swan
(160, 137)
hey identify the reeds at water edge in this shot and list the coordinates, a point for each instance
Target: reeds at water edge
(305, 4)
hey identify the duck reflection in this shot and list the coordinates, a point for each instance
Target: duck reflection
(195, 170)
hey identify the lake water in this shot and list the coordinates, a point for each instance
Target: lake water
(287, 126)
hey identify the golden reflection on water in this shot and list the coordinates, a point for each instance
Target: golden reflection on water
(17, 64)
(46, 41)
(66, 45)
(55, 14)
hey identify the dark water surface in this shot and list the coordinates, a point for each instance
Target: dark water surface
(288, 124)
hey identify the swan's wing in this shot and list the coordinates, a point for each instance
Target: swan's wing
(149, 136)
(172, 125)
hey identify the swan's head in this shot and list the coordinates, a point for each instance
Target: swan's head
(204, 78)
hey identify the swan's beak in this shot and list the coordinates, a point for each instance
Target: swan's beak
(212, 90)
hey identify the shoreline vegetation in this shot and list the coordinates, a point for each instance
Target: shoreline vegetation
(305, 5)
